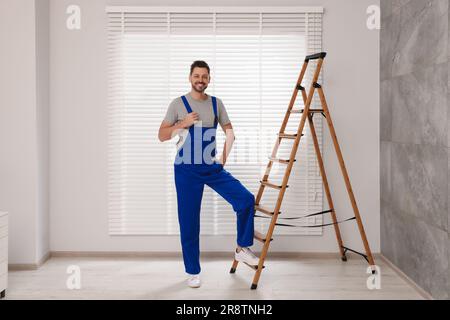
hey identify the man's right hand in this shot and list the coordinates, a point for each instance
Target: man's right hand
(190, 119)
(168, 130)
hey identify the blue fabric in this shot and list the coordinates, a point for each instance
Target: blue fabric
(186, 104)
(190, 180)
(216, 117)
(199, 147)
(200, 144)
(214, 103)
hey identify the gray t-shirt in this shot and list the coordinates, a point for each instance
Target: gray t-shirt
(177, 111)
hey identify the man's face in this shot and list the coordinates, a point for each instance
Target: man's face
(199, 79)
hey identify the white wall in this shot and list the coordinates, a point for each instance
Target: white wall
(23, 126)
(42, 119)
(78, 91)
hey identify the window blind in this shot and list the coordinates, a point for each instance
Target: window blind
(255, 55)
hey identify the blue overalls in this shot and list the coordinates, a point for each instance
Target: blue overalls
(190, 179)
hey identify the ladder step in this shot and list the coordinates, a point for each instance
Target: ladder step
(310, 110)
(271, 185)
(287, 136)
(265, 211)
(260, 237)
(284, 161)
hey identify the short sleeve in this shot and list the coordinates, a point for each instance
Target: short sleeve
(223, 115)
(171, 114)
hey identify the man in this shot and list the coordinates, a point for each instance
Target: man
(195, 117)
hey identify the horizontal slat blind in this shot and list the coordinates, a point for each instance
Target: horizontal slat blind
(255, 59)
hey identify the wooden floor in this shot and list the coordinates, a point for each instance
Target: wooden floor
(150, 278)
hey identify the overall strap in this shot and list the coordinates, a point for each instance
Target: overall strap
(186, 104)
(216, 117)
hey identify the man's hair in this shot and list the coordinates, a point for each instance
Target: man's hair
(199, 64)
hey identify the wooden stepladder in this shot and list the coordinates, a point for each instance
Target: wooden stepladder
(307, 115)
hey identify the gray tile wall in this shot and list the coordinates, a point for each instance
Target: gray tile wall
(415, 140)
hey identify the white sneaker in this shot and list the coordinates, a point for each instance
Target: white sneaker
(193, 280)
(246, 255)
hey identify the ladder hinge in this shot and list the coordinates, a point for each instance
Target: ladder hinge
(300, 88)
(317, 86)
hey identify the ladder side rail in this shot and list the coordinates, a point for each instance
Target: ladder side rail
(346, 177)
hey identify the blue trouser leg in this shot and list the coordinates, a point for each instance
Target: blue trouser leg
(242, 201)
(189, 197)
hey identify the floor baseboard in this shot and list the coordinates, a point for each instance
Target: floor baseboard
(209, 254)
(411, 282)
(29, 266)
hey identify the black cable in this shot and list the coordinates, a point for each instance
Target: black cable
(314, 226)
(297, 218)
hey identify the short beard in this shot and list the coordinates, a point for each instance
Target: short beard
(201, 91)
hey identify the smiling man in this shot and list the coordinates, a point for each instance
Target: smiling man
(195, 117)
